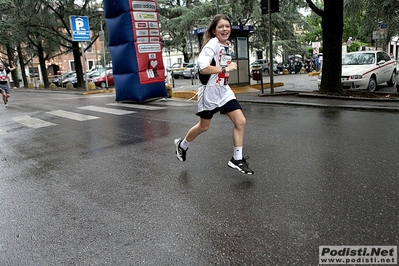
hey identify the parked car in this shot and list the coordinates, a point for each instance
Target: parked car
(366, 69)
(265, 64)
(70, 79)
(59, 80)
(100, 81)
(74, 80)
(177, 69)
(260, 63)
(191, 69)
(94, 73)
(397, 79)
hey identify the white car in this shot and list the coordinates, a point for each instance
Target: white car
(366, 69)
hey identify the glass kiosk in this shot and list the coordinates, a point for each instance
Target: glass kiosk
(239, 38)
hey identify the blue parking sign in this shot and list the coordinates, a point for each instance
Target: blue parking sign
(80, 28)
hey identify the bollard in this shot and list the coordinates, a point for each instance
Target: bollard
(173, 80)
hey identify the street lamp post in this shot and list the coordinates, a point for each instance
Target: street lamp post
(102, 39)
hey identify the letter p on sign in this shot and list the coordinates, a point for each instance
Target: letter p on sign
(79, 24)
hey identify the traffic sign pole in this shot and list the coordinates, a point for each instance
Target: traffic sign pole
(81, 33)
(84, 67)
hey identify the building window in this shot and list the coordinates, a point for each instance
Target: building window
(34, 72)
(72, 65)
(90, 63)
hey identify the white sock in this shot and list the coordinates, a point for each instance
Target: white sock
(237, 153)
(184, 144)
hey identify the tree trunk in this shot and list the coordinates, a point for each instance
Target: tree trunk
(14, 74)
(42, 63)
(332, 23)
(78, 64)
(22, 65)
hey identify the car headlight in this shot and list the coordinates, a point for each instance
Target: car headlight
(356, 76)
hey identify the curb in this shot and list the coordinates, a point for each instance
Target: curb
(185, 95)
(192, 94)
(98, 91)
(321, 105)
(314, 73)
(74, 91)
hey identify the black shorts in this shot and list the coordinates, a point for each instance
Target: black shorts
(227, 108)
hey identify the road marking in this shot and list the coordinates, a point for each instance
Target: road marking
(138, 106)
(84, 97)
(176, 103)
(106, 110)
(73, 116)
(32, 122)
(2, 131)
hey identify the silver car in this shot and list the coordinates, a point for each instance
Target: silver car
(177, 69)
(397, 78)
(191, 71)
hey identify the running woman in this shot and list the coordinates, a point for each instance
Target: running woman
(215, 95)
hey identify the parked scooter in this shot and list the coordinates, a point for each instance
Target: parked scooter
(309, 65)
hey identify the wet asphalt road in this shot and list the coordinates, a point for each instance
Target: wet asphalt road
(109, 191)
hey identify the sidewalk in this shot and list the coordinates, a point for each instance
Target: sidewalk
(301, 90)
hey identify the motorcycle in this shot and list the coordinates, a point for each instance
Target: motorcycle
(309, 65)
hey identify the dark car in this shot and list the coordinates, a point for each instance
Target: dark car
(58, 81)
(71, 79)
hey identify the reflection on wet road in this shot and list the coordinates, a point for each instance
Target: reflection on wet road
(110, 190)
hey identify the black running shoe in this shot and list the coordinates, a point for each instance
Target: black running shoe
(180, 153)
(240, 165)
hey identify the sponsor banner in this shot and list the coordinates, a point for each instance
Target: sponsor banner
(136, 49)
(145, 16)
(143, 40)
(144, 6)
(147, 41)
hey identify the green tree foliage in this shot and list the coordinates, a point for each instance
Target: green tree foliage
(179, 18)
(366, 17)
(42, 29)
(61, 10)
(313, 30)
(287, 26)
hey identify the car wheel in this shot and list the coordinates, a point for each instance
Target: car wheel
(392, 81)
(176, 76)
(372, 84)
(103, 85)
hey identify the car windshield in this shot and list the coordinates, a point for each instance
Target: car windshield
(67, 74)
(257, 63)
(358, 59)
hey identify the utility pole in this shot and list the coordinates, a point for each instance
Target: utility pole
(271, 68)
